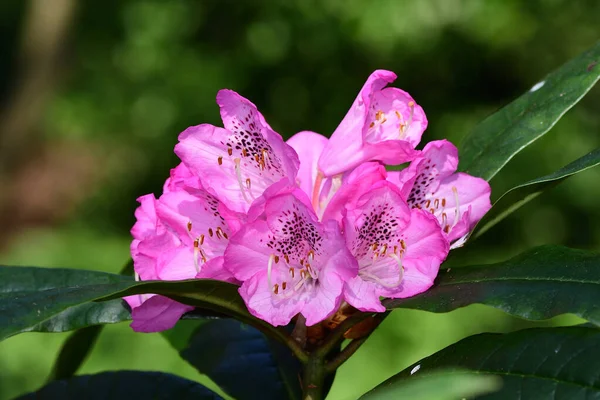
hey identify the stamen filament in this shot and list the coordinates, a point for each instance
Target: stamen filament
(457, 205)
(238, 174)
(317, 190)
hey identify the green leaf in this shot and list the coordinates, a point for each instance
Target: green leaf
(438, 385)
(243, 361)
(520, 195)
(124, 385)
(502, 135)
(539, 284)
(31, 296)
(542, 363)
(84, 315)
(74, 351)
(180, 335)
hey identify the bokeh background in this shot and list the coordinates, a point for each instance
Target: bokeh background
(93, 95)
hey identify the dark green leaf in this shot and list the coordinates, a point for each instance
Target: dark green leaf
(31, 296)
(243, 362)
(180, 335)
(83, 315)
(439, 385)
(539, 284)
(74, 351)
(502, 135)
(519, 195)
(542, 363)
(125, 385)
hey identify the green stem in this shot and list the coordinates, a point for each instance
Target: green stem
(337, 335)
(314, 378)
(344, 355)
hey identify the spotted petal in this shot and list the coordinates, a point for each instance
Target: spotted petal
(289, 262)
(238, 162)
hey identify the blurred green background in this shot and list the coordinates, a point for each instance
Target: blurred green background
(93, 95)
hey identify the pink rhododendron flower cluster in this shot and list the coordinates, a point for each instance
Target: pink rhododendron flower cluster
(304, 225)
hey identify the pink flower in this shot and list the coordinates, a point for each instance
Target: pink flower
(399, 251)
(431, 183)
(334, 192)
(383, 124)
(289, 262)
(238, 162)
(182, 235)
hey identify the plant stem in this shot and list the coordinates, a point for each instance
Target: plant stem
(337, 335)
(344, 355)
(314, 378)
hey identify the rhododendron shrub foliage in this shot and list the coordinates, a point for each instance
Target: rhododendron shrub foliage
(268, 262)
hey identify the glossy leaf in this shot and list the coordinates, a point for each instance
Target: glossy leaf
(439, 385)
(124, 385)
(243, 362)
(181, 334)
(539, 284)
(542, 363)
(518, 196)
(74, 351)
(22, 307)
(53, 299)
(502, 135)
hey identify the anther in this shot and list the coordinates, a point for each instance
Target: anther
(229, 150)
(276, 259)
(443, 202)
(276, 288)
(244, 153)
(248, 183)
(292, 272)
(403, 244)
(201, 239)
(220, 160)
(427, 203)
(436, 203)
(189, 226)
(283, 285)
(287, 259)
(210, 232)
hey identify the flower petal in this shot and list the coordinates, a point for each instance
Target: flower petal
(238, 163)
(363, 295)
(309, 146)
(382, 124)
(259, 298)
(157, 314)
(353, 186)
(426, 249)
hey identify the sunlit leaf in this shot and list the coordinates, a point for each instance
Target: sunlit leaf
(503, 134)
(518, 196)
(546, 363)
(438, 385)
